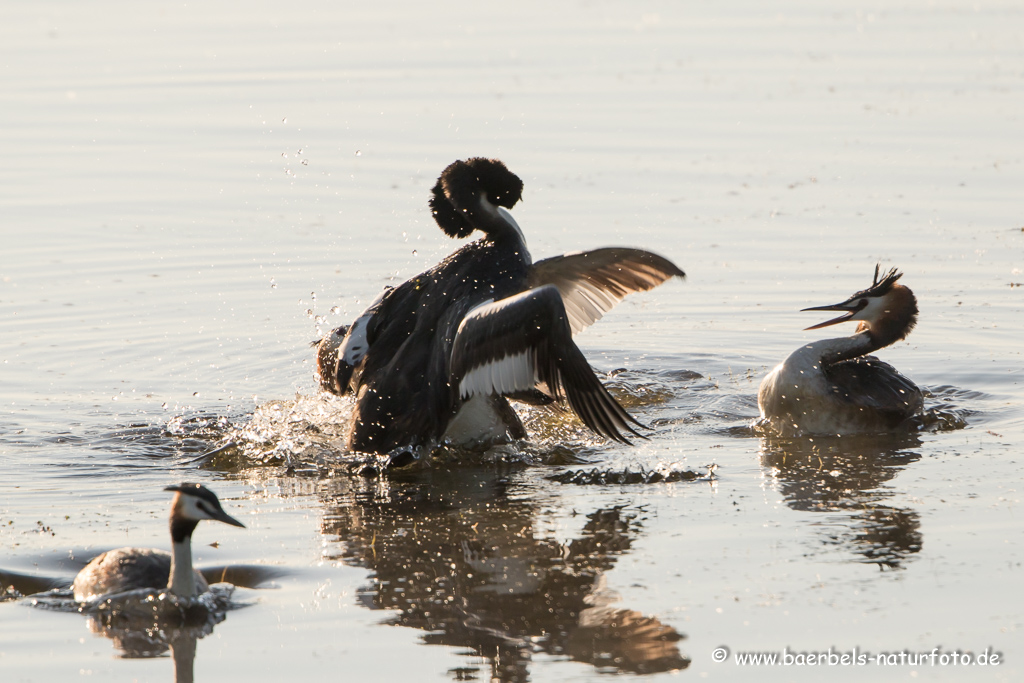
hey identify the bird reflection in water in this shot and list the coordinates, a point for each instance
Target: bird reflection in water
(850, 475)
(146, 623)
(455, 555)
(138, 637)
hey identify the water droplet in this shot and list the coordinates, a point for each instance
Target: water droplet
(273, 285)
(284, 120)
(335, 310)
(309, 312)
(359, 153)
(321, 319)
(164, 406)
(305, 162)
(313, 295)
(299, 152)
(284, 154)
(195, 393)
(413, 252)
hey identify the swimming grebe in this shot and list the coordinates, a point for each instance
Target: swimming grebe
(125, 569)
(832, 386)
(436, 359)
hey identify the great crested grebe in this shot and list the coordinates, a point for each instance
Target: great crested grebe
(832, 386)
(125, 569)
(436, 359)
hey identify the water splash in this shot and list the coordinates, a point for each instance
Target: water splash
(307, 435)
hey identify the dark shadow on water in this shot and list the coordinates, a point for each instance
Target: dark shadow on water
(850, 475)
(244, 575)
(454, 554)
(14, 585)
(19, 584)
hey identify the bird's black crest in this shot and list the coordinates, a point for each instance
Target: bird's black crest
(454, 197)
(197, 490)
(880, 287)
(453, 223)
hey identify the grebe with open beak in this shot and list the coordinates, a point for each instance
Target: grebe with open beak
(832, 386)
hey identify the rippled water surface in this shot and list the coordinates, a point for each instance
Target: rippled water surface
(193, 193)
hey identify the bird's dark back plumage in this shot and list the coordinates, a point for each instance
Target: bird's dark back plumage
(884, 394)
(124, 569)
(408, 369)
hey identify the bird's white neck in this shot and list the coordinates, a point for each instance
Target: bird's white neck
(829, 351)
(182, 581)
(498, 221)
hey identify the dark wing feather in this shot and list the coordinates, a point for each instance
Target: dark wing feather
(347, 346)
(875, 385)
(592, 282)
(524, 342)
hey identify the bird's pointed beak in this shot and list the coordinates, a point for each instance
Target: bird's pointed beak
(222, 516)
(848, 307)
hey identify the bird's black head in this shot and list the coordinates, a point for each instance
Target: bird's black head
(455, 199)
(195, 502)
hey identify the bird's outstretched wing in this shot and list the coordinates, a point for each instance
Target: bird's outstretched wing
(592, 282)
(524, 342)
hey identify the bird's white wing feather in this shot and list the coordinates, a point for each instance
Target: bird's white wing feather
(523, 343)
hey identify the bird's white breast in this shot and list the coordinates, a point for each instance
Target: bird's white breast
(477, 423)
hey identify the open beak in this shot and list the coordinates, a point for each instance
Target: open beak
(849, 310)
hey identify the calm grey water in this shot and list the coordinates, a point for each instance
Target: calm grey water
(189, 190)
